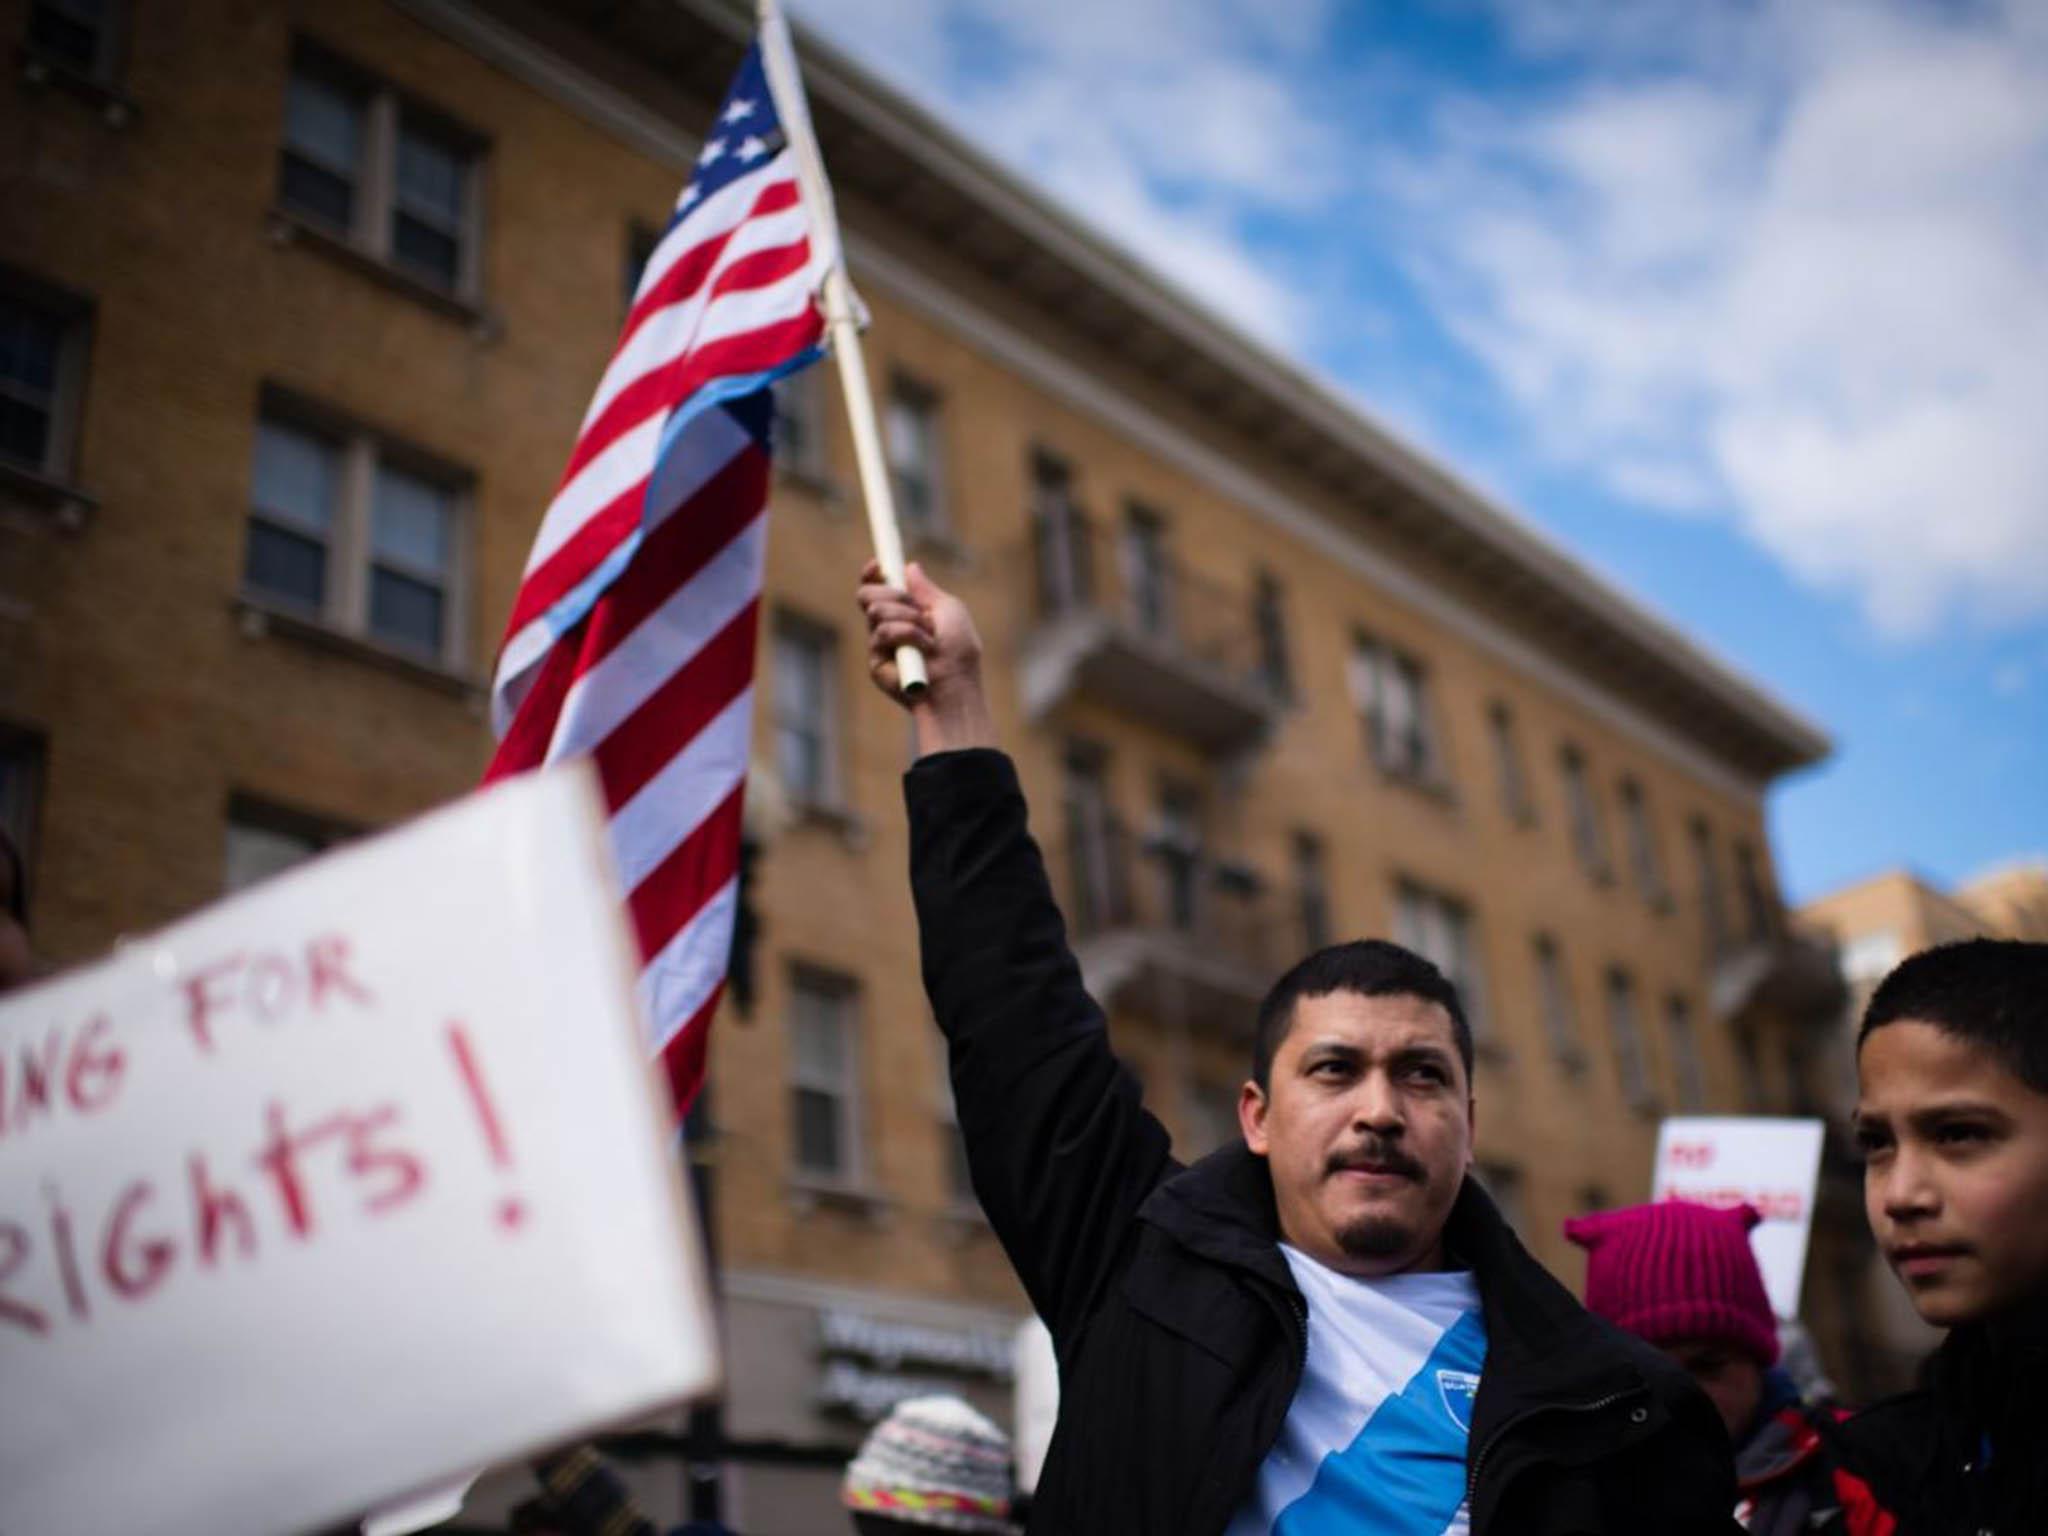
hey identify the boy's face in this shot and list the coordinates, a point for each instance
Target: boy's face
(1956, 1174)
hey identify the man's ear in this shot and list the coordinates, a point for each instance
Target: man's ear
(1251, 1116)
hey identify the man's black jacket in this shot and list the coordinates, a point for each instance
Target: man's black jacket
(1179, 1331)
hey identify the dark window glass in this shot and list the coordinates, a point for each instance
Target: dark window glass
(31, 341)
(69, 32)
(405, 611)
(426, 227)
(1269, 614)
(287, 565)
(323, 154)
(817, 1132)
(312, 190)
(429, 252)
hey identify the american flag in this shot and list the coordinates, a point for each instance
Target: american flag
(632, 635)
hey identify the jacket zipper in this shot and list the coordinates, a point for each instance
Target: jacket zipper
(1486, 1450)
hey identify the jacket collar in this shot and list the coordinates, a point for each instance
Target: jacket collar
(1222, 1209)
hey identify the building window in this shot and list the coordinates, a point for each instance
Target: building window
(1269, 618)
(1515, 797)
(1391, 689)
(265, 840)
(82, 37)
(1685, 1054)
(800, 422)
(1554, 995)
(1643, 858)
(44, 334)
(1312, 891)
(22, 756)
(1061, 546)
(824, 1077)
(912, 429)
(1589, 833)
(1713, 909)
(359, 534)
(389, 175)
(1176, 847)
(1749, 1057)
(1759, 911)
(1097, 897)
(1148, 574)
(806, 712)
(1440, 929)
(1625, 1028)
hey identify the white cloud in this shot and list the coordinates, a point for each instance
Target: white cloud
(1799, 273)
(1169, 124)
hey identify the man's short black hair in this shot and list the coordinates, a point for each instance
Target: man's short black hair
(1369, 967)
(1991, 992)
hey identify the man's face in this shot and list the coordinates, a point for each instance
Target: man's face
(1733, 1382)
(1367, 1128)
(1955, 1174)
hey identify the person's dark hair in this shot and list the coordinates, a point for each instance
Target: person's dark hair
(1991, 992)
(16, 879)
(1369, 967)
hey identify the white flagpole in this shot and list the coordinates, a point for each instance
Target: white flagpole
(842, 315)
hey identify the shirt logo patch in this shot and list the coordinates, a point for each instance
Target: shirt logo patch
(1458, 1389)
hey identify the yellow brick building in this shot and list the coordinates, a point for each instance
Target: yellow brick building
(303, 304)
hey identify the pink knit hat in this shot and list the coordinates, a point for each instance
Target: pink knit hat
(1677, 1270)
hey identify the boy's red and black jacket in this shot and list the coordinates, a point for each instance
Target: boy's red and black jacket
(1790, 1480)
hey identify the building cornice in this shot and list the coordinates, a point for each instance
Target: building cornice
(907, 163)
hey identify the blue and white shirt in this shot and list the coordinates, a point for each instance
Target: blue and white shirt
(1375, 1440)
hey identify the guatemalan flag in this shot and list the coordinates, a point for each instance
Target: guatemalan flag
(632, 635)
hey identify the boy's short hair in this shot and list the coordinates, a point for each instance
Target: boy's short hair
(1991, 992)
(1369, 967)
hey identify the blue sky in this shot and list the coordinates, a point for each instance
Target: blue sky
(1745, 302)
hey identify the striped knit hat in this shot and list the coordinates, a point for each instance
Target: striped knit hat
(934, 1462)
(1676, 1270)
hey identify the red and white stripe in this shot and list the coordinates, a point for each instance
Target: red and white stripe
(632, 636)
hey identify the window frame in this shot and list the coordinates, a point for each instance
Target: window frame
(1558, 1002)
(1372, 662)
(1630, 1046)
(21, 810)
(1688, 1066)
(1269, 625)
(110, 53)
(363, 451)
(1309, 864)
(1419, 906)
(842, 995)
(387, 112)
(1145, 553)
(1584, 815)
(792, 628)
(1511, 766)
(926, 405)
(73, 314)
(258, 814)
(1645, 856)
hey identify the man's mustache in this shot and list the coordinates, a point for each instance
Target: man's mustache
(1381, 1157)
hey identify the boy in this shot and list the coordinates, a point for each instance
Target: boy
(1952, 1119)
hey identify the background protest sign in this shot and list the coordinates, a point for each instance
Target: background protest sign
(1774, 1164)
(340, 1187)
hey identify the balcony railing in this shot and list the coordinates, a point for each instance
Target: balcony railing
(1113, 617)
(1164, 927)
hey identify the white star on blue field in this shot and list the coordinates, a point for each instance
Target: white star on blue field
(1746, 305)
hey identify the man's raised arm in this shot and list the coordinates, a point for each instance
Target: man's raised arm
(1061, 1150)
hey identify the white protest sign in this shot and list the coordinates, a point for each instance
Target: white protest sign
(1771, 1163)
(346, 1185)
